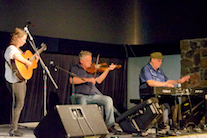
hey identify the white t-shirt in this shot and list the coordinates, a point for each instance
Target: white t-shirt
(8, 55)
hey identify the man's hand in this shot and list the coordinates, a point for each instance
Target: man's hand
(169, 85)
(184, 79)
(112, 66)
(93, 80)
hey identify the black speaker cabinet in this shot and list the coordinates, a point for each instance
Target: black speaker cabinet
(140, 117)
(72, 121)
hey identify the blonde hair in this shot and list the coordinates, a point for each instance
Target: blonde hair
(83, 54)
(18, 33)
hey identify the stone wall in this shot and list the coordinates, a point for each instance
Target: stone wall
(194, 62)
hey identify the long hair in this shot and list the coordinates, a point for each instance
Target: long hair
(18, 33)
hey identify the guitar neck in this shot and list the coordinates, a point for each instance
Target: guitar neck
(39, 51)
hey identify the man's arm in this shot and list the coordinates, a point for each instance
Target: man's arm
(153, 83)
(79, 80)
(182, 80)
(168, 83)
(105, 73)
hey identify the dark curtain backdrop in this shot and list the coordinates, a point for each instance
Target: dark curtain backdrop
(114, 85)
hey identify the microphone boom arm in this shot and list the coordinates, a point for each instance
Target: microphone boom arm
(72, 74)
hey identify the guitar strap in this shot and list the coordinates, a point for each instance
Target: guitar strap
(13, 70)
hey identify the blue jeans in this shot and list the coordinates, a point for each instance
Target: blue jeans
(101, 100)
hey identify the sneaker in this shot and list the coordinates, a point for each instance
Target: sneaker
(15, 133)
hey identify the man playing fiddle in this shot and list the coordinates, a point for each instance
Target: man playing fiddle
(86, 91)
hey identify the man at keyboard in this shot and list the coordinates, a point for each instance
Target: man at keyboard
(151, 75)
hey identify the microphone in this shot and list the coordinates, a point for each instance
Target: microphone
(53, 65)
(29, 23)
(27, 30)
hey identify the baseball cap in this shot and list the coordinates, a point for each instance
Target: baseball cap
(157, 55)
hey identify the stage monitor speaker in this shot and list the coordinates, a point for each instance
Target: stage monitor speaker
(140, 117)
(72, 121)
(192, 116)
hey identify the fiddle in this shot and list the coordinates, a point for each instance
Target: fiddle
(99, 67)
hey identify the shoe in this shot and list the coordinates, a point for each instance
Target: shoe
(173, 127)
(15, 133)
(161, 126)
(113, 130)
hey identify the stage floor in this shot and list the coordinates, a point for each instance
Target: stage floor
(27, 129)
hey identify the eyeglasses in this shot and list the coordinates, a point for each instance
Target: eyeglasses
(158, 60)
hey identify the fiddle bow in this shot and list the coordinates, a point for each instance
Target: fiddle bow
(97, 60)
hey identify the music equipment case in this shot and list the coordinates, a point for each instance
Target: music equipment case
(140, 117)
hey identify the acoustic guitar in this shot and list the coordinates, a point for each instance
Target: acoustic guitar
(21, 70)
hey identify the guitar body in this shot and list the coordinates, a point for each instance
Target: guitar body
(22, 72)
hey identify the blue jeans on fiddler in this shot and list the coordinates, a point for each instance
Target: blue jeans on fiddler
(101, 100)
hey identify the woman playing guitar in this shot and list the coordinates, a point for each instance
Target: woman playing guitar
(16, 86)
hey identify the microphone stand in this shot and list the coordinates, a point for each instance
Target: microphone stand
(45, 69)
(72, 75)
